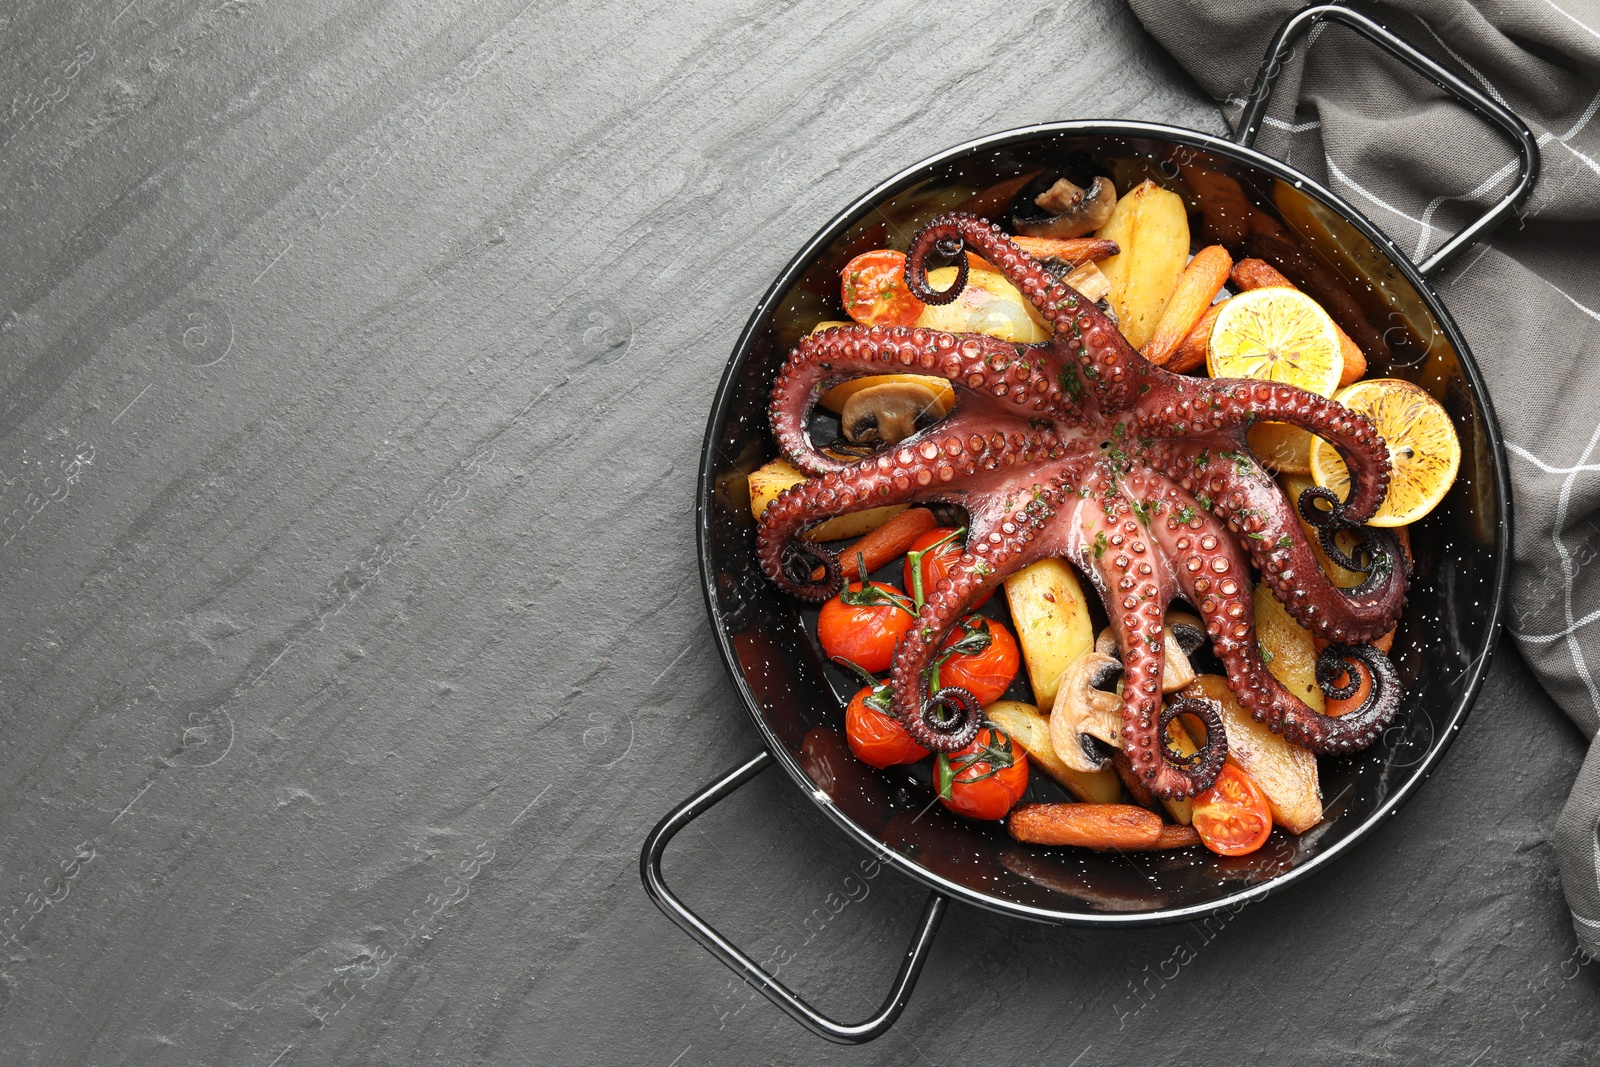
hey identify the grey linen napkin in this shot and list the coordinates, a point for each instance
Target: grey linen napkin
(1420, 165)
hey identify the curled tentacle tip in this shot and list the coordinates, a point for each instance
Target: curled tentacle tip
(1314, 515)
(1357, 728)
(1380, 547)
(1332, 666)
(1202, 766)
(942, 237)
(948, 720)
(801, 563)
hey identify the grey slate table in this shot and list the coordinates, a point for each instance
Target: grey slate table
(355, 361)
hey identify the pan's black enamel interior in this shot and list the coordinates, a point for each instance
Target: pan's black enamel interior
(1256, 207)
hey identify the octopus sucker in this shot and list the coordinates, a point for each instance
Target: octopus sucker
(1077, 447)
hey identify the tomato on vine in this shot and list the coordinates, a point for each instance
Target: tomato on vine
(930, 559)
(984, 780)
(979, 656)
(863, 624)
(875, 735)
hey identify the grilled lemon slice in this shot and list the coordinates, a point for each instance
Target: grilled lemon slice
(1424, 453)
(1284, 448)
(1276, 335)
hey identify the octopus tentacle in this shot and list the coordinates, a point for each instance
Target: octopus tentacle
(921, 468)
(1011, 375)
(993, 551)
(1233, 404)
(865, 484)
(1381, 547)
(1246, 498)
(1136, 596)
(1214, 577)
(1377, 710)
(1113, 371)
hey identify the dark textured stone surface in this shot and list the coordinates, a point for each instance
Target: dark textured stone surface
(355, 359)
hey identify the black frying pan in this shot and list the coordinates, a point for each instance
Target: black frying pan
(1453, 613)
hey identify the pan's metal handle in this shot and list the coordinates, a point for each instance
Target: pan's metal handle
(1255, 110)
(749, 969)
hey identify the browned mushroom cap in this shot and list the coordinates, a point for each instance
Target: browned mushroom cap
(1074, 211)
(891, 412)
(1083, 710)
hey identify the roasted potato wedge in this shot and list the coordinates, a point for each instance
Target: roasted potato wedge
(1028, 727)
(1151, 227)
(1286, 773)
(1182, 811)
(1052, 622)
(989, 304)
(768, 481)
(1288, 649)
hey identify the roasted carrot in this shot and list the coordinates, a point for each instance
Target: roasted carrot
(1172, 836)
(1198, 285)
(1074, 250)
(1191, 352)
(888, 542)
(1250, 274)
(1259, 274)
(1355, 362)
(1092, 825)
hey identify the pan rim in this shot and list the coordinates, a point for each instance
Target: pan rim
(1478, 670)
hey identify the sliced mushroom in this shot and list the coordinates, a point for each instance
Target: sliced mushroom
(1184, 634)
(1083, 710)
(1091, 281)
(1073, 211)
(1176, 673)
(891, 412)
(1188, 629)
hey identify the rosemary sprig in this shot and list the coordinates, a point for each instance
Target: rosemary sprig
(881, 699)
(872, 595)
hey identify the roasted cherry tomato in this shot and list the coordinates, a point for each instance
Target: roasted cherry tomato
(862, 625)
(980, 656)
(875, 735)
(1232, 817)
(936, 561)
(985, 779)
(875, 293)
